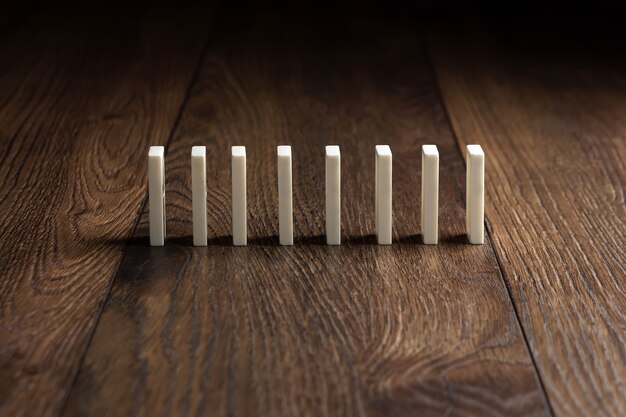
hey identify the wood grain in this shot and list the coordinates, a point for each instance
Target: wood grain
(85, 90)
(266, 330)
(549, 112)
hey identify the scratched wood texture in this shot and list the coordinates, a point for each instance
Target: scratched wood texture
(548, 103)
(85, 90)
(265, 330)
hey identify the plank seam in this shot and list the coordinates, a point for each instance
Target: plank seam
(502, 273)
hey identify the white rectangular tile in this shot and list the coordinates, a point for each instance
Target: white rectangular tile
(430, 194)
(156, 195)
(383, 207)
(333, 195)
(240, 210)
(198, 195)
(285, 199)
(475, 194)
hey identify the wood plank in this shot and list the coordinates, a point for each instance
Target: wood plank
(85, 90)
(357, 329)
(549, 112)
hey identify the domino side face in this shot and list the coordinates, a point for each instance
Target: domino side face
(198, 195)
(333, 195)
(430, 194)
(239, 196)
(285, 199)
(475, 194)
(383, 206)
(156, 194)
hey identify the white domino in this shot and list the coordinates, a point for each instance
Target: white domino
(333, 195)
(430, 194)
(240, 210)
(383, 209)
(198, 195)
(475, 195)
(156, 194)
(285, 199)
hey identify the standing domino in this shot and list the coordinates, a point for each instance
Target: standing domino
(285, 205)
(333, 195)
(475, 195)
(156, 194)
(240, 211)
(198, 194)
(430, 194)
(383, 210)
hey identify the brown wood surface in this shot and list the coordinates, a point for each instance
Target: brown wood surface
(84, 91)
(550, 113)
(265, 330)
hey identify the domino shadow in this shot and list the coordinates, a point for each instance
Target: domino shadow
(316, 240)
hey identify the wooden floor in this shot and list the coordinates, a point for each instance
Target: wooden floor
(94, 321)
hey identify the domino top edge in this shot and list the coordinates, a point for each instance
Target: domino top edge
(430, 150)
(332, 150)
(198, 151)
(238, 151)
(283, 150)
(156, 151)
(475, 150)
(383, 150)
